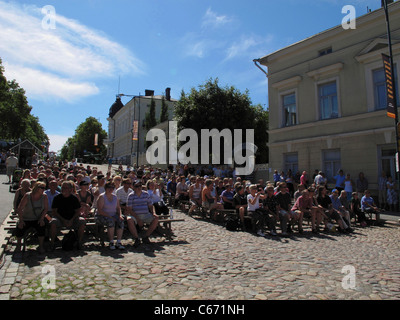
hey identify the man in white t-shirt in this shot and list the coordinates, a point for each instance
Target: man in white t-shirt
(11, 165)
(253, 206)
(123, 192)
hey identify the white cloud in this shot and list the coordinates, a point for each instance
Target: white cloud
(61, 59)
(249, 46)
(43, 85)
(57, 142)
(201, 43)
(199, 46)
(212, 19)
(196, 48)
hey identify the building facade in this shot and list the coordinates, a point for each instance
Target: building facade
(120, 144)
(327, 101)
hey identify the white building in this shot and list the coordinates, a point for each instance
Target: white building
(120, 143)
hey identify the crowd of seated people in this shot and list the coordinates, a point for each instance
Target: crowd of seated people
(138, 196)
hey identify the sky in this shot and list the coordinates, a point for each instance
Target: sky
(73, 57)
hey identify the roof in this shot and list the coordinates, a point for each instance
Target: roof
(25, 144)
(116, 106)
(323, 34)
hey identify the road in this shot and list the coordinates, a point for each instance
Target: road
(6, 198)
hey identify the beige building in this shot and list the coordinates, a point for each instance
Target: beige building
(327, 101)
(120, 143)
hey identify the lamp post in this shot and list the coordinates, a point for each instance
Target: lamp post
(385, 4)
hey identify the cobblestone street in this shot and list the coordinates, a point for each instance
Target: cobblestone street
(205, 261)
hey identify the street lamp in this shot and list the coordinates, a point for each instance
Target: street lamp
(392, 108)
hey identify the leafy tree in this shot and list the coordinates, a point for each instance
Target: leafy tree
(83, 140)
(164, 116)
(150, 120)
(35, 132)
(211, 106)
(16, 120)
(261, 125)
(67, 150)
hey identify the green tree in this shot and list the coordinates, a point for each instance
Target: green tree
(83, 140)
(164, 116)
(67, 150)
(16, 120)
(261, 125)
(35, 132)
(150, 119)
(212, 106)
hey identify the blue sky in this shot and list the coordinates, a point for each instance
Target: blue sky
(72, 72)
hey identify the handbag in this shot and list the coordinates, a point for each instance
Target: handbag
(69, 240)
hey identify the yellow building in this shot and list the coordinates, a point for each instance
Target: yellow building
(327, 101)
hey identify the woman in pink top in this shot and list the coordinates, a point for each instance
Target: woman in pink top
(304, 206)
(303, 179)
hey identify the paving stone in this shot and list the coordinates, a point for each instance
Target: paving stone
(206, 262)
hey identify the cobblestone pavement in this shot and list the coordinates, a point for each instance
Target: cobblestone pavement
(205, 261)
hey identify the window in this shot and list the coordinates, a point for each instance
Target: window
(289, 110)
(379, 83)
(291, 162)
(331, 163)
(328, 101)
(379, 89)
(325, 51)
(387, 159)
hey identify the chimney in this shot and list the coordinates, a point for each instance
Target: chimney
(168, 94)
(149, 93)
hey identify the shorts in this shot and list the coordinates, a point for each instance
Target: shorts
(334, 215)
(10, 170)
(245, 213)
(295, 214)
(76, 224)
(146, 218)
(160, 208)
(284, 213)
(228, 206)
(307, 214)
(195, 202)
(206, 205)
(110, 222)
(19, 233)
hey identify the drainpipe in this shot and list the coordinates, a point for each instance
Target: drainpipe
(259, 67)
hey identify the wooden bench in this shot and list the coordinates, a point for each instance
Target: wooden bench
(164, 228)
(184, 205)
(200, 212)
(10, 224)
(97, 230)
